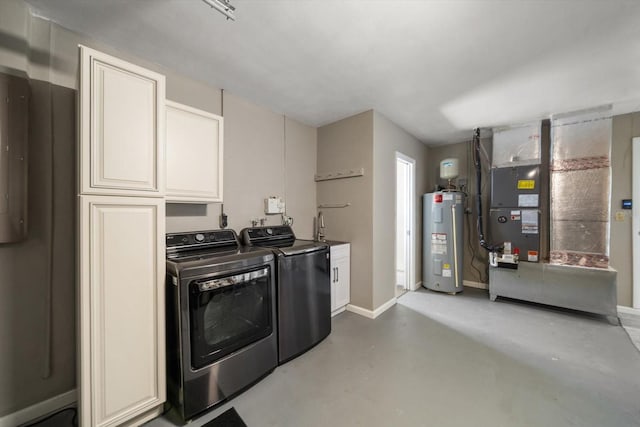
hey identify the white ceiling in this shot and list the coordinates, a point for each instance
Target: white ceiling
(436, 68)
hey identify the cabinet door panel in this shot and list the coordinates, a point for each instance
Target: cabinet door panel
(194, 154)
(122, 127)
(340, 276)
(343, 294)
(121, 308)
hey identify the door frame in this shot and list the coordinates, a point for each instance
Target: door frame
(411, 255)
(635, 234)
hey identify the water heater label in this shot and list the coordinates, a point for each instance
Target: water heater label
(446, 273)
(526, 184)
(438, 243)
(448, 197)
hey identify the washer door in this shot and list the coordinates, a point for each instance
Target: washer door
(228, 313)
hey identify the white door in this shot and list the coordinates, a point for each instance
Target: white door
(405, 210)
(121, 309)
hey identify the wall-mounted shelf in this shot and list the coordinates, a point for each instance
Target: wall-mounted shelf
(333, 205)
(351, 173)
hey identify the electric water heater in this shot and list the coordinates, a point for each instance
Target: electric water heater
(442, 255)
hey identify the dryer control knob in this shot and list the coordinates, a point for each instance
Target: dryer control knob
(199, 237)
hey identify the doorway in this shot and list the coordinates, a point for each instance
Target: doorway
(405, 223)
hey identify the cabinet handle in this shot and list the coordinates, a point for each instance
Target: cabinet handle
(337, 274)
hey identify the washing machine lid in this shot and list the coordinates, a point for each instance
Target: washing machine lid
(280, 238)
(302, 246)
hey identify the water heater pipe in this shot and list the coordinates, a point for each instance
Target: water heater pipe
(478, 167)
(455, 244)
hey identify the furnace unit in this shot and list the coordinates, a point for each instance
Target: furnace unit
(515, 209)
(518, 195)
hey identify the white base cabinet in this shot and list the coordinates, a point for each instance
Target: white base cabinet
(121, 310)
(340, 277)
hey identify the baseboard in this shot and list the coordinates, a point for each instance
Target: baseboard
(417, 286)
(39, 409)
(629, 311)
(372, 314)
(472, 284)
(361, 311)
(338, 311)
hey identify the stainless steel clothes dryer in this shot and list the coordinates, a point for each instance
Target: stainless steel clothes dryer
(221, 318)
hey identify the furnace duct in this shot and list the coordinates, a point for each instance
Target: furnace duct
(580, 188)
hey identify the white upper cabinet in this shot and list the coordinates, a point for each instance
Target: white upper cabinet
(194, 155)
(121, 127)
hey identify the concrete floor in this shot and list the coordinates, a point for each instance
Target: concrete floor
(442, 360)
(631, 323)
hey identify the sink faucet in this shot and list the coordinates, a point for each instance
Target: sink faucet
(320, 237)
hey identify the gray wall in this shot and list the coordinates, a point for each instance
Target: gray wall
(388, 139)
(369, 140)
(259, 163)
(625, 127)
(43, 264)
(300, 166)
(282, 162)
(14, 43)
(345, 145)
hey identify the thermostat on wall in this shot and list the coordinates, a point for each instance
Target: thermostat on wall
(626, 203)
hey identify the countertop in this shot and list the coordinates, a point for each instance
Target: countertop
(335, 242)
